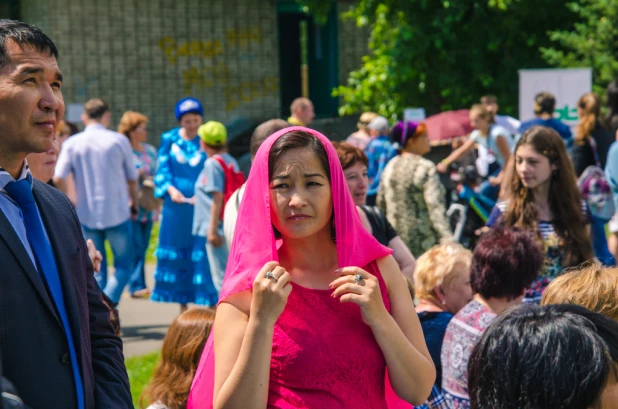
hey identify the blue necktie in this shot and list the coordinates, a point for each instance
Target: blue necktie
(21, 192)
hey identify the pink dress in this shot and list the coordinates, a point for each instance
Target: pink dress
(324, 356)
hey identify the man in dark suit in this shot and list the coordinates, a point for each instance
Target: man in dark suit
(56, 343)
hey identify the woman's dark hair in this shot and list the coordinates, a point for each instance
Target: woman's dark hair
(504, 263)
(611, 94)
(296, 140)
(565, 201)
(557, 356)
(349, 155)
(402, 132)
(544, 103)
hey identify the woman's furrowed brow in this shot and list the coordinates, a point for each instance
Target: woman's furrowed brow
(305, 175)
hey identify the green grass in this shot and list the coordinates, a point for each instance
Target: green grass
(152, 246)
(140, 369)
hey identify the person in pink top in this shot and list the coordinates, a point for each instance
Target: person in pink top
(299, 323)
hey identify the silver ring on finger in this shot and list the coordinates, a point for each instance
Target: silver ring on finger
(271, 276)
(357, 278)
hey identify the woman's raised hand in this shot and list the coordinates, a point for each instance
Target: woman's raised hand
(271, 289)
(362, 288)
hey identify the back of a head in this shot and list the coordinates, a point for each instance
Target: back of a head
(24, 34)
(379, 124)
(557, 356)
(180, 355)
(95, 109)
(365, 119)
(299, 103)
(402, 132)
(263, 131)
(592, 286)
(611, 94)
(505, 262)
(589, 107)
(489, 99)
(544, 103)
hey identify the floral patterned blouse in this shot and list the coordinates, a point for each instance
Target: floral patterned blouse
(413, 200)
(555, 257)
(462, 333)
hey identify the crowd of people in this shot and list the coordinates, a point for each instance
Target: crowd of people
(332, 273)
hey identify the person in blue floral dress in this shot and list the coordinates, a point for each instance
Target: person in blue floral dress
(182, 275)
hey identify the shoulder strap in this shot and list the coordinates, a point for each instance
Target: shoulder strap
(220, 160)
(595, 152)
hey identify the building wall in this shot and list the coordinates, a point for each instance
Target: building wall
(146, 55)
(353, 44)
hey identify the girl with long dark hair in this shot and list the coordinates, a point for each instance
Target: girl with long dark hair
(542, 197)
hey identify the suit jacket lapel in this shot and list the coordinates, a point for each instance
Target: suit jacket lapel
(7, 232)
(49, 213)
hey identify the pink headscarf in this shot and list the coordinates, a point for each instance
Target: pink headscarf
(255, 245)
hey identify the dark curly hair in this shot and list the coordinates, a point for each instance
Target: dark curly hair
(505, 262)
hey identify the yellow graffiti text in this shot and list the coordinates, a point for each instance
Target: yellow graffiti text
(249, 91)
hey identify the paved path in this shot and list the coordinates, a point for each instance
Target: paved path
(144, 323)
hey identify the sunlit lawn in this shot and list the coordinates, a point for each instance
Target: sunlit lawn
(140, 369)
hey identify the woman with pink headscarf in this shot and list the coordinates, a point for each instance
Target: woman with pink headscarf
(314, 312)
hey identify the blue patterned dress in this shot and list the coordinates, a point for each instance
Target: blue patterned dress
(183, 274)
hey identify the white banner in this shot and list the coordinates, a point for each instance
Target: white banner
(413, 114)
(567, 85)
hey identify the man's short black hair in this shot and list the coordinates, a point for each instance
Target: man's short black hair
(24, 34)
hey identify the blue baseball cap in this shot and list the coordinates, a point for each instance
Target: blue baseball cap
(188, 106)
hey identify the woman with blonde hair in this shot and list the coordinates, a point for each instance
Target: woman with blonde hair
(135, 127)
(361, 138)
(592, 140)
(496, 139)
(180, 356)
(442, 286)
(592, 286)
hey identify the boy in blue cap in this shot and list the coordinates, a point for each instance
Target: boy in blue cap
(220, 177)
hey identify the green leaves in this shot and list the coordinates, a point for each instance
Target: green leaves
(446, 54)
(591, 42)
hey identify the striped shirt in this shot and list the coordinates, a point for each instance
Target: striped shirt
(555, 258)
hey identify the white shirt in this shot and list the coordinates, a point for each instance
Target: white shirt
(230, 214)
(102, 163)
(511, 124)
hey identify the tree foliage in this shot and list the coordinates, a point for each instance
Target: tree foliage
(592, 42)
(445, 54)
